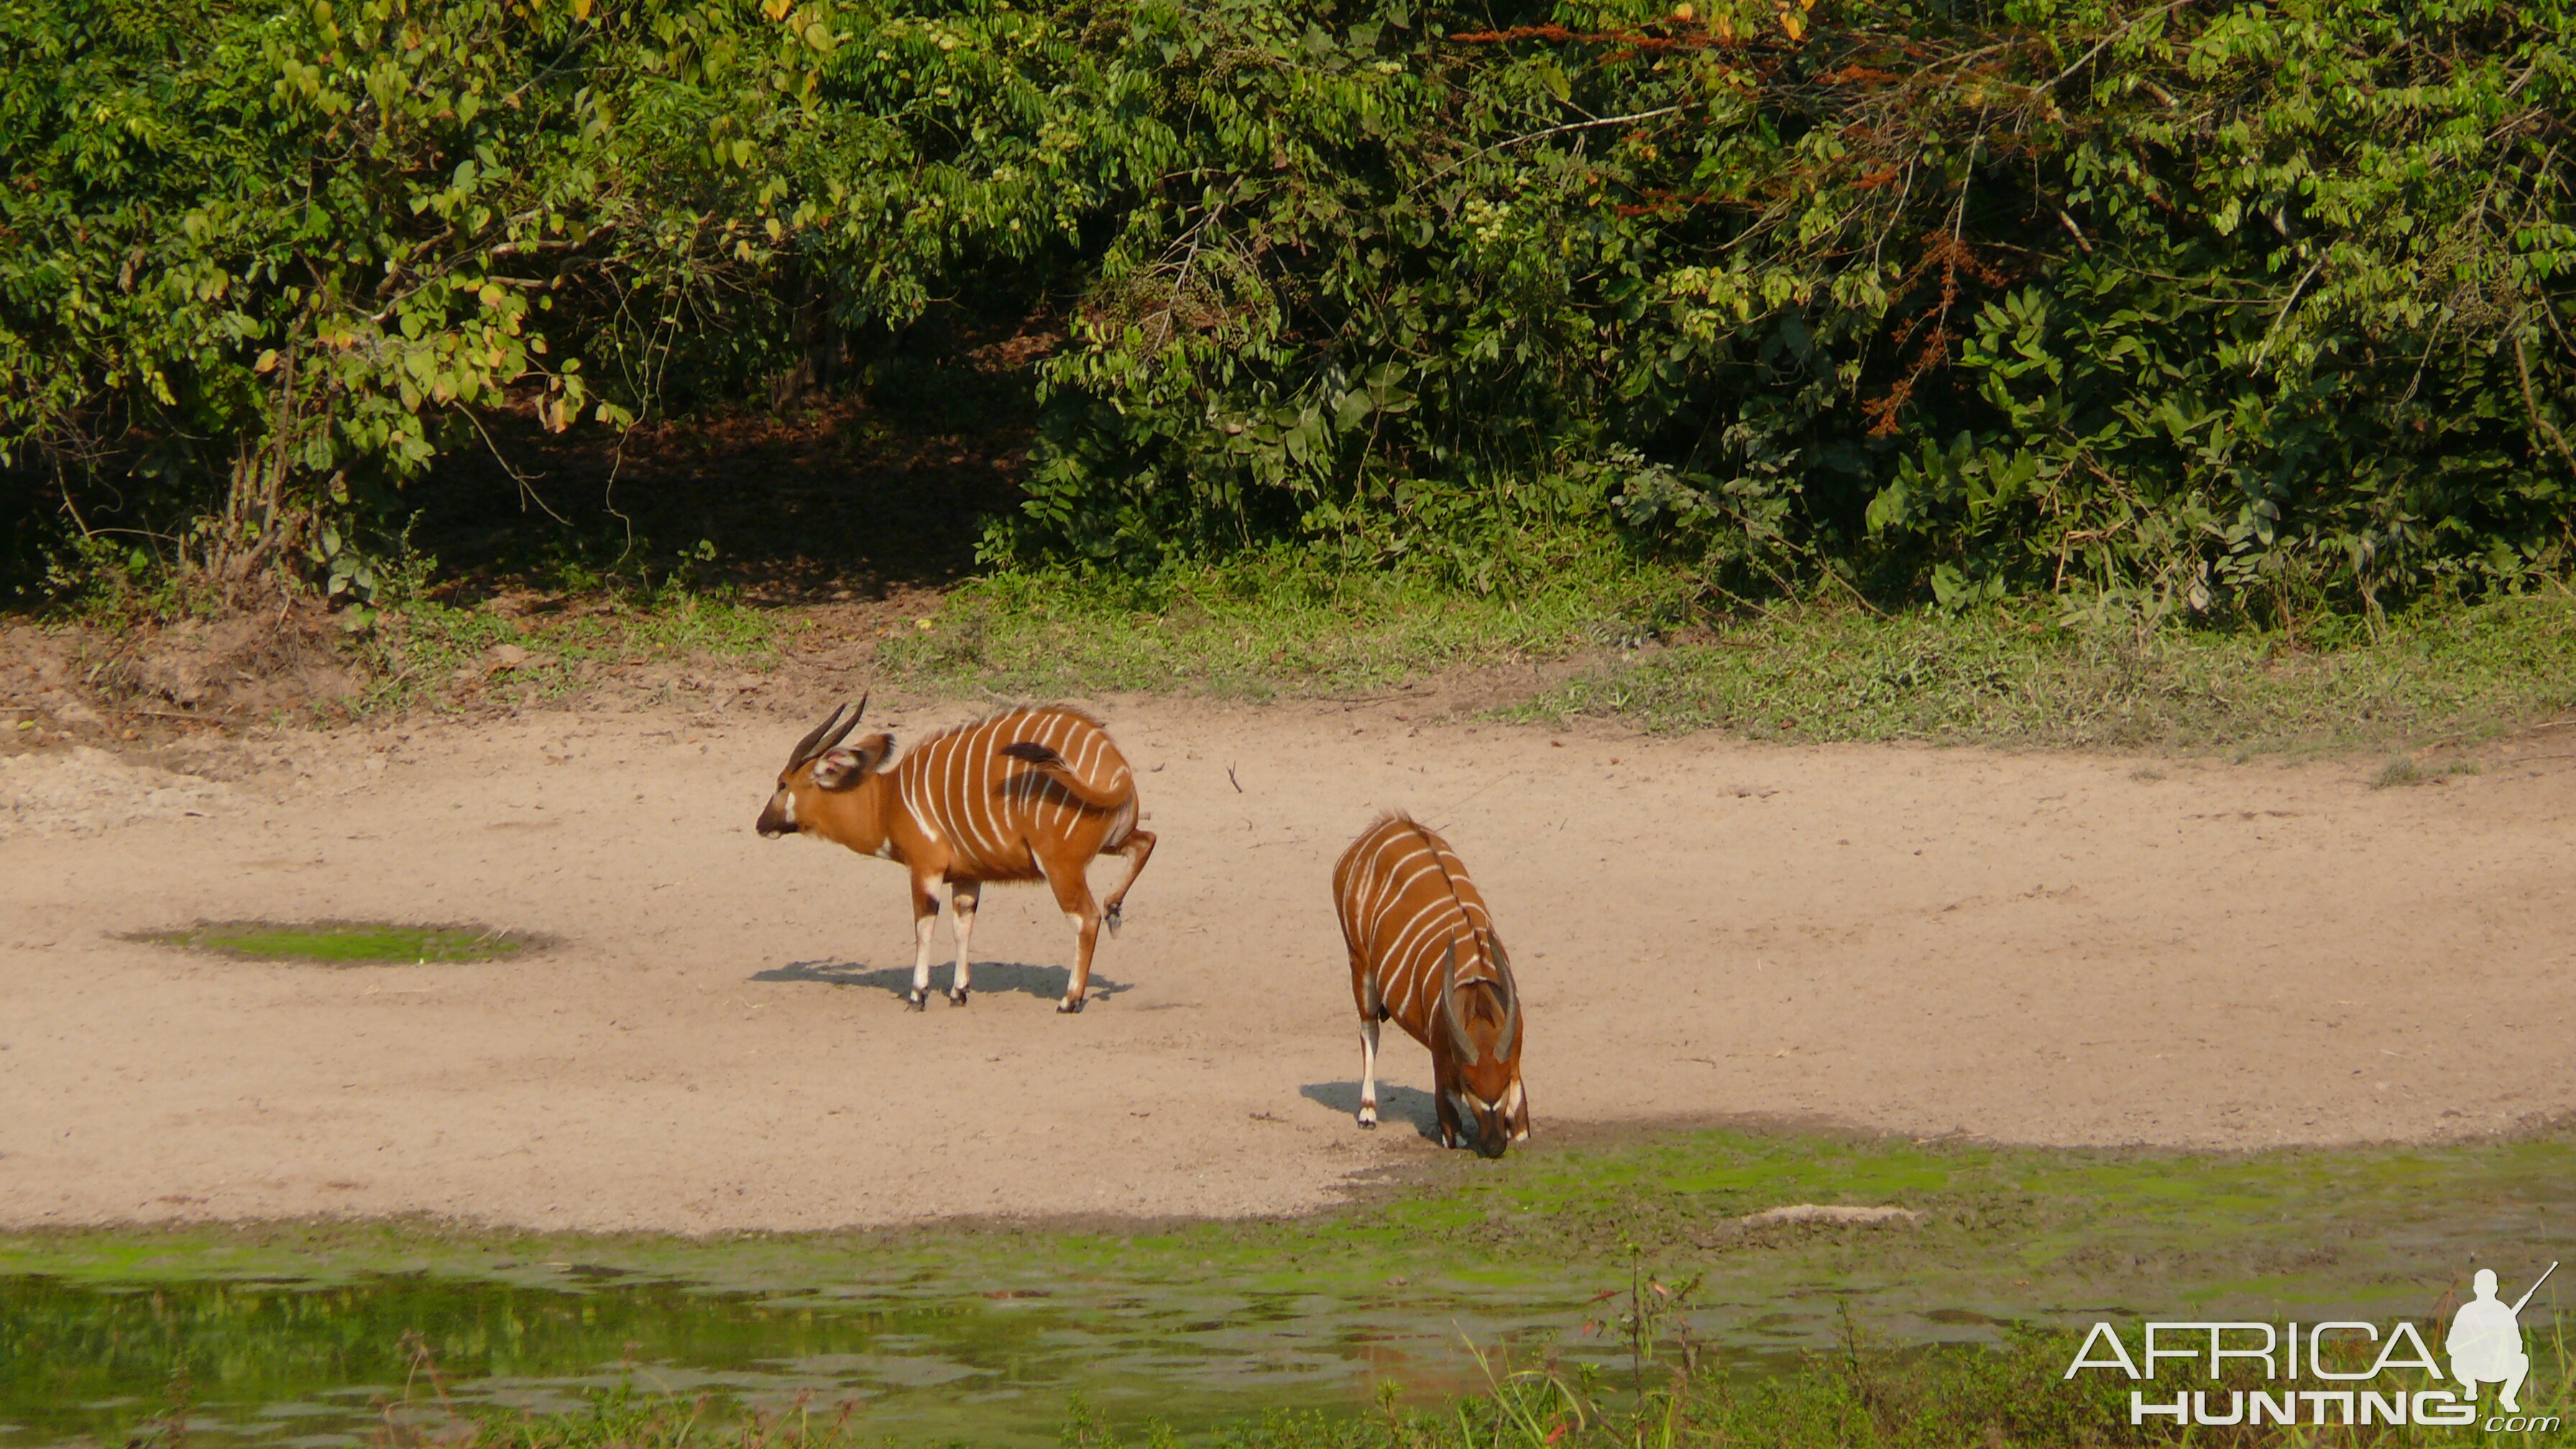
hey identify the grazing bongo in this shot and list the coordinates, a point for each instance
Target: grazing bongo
(1030, 794)
(1424, 952)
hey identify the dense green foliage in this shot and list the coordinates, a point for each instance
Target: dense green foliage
(2225, 309)
(2191, 304)
(261, 261)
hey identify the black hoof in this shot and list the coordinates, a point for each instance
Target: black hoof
(1369, 1126)
(918, 1000)
(1068, 1007)
(957, 996)
(1110, 918)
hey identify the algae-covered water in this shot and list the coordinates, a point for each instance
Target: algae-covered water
(311, 1362)
(304, 1335)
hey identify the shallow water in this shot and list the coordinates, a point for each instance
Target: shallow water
(317, 1363)
(304, 1334)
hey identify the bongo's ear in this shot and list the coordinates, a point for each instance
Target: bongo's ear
(839, 769)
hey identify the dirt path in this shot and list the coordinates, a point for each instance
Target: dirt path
(2032, 947)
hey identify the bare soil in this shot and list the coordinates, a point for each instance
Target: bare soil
(2038, 948)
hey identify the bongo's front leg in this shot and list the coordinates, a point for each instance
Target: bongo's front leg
(963, 896)
(925, 922)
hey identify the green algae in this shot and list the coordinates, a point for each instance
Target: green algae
(985, 1331)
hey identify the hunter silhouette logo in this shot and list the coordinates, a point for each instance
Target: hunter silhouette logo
(2485, 1342)
(2484, 1346)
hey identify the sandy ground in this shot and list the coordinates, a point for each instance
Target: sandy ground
(2038, 948)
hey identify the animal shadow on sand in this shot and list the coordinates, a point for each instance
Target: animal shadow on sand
(1394, 1103)
(1047, 983)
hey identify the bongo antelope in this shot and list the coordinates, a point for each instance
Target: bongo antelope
(1030, 794)
(1424, 953)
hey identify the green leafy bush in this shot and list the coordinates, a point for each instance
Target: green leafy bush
(2193, 309)
(261, 263)
(2196, 308)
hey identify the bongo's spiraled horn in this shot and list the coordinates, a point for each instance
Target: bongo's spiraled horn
(829, 733)
(1462, 1043)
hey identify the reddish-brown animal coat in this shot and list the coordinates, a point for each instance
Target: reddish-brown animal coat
(1424, 954)
(1029, 794)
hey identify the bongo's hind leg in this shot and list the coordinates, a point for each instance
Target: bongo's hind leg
(1073, 896)
(1138, 850)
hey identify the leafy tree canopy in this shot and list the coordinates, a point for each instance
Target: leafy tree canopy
(2180, 306)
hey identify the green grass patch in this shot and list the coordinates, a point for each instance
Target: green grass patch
(1286, 623)
(430, 654)
(1283, 622)
(2010, 1233)
(345, 943)
(2445, 675)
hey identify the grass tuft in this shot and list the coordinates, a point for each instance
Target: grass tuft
(2399, 771)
